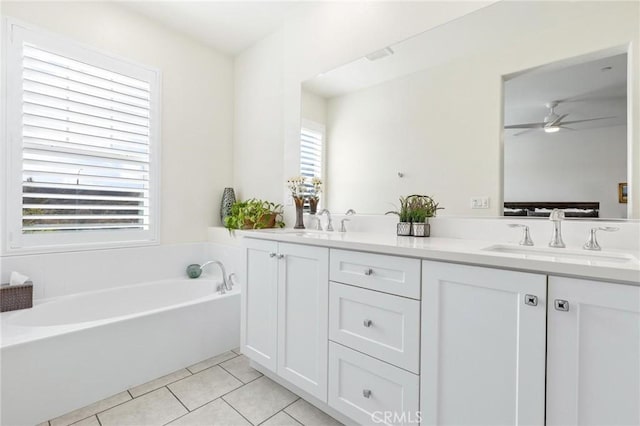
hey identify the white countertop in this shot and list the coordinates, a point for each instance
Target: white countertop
(473, 252)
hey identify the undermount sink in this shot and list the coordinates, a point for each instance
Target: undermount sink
(581, 256)
(305, 233)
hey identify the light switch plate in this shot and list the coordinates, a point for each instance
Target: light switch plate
(479, 202)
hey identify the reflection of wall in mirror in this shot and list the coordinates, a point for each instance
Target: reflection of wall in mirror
(568, 166)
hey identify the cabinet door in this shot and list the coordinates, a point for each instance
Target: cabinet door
(303, 294)
(260, 303)
(483, 347)
(593, 375)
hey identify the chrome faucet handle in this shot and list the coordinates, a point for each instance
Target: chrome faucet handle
(526, 236)
(350, 212)
(318, 223)
(556, 216)
(342, 227)
(592, 242)
(329, 224)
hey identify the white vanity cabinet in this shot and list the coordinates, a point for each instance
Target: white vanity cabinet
(593, 353)
(483, 346)
(389, 339)
(285, 312)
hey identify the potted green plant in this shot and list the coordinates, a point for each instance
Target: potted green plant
(404, 225)
(421, 208)
(254, 214)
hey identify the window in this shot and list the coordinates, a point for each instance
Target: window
(311, 152)
(82, 129)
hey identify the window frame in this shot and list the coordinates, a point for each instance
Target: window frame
(13, 240)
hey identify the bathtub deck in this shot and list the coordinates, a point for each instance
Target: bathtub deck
(223, 390)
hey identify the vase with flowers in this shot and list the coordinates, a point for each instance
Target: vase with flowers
(297, 188)
(314, 194)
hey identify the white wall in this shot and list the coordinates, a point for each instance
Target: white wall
(462, 108)
(258, 142)
(584, 165)
(313, 107)
(197, 103)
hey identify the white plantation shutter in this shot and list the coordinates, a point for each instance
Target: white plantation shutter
(311, 151)
(84, 126)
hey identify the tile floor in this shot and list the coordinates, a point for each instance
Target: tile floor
(223, 390)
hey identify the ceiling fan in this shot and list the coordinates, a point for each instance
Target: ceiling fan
(551, 123)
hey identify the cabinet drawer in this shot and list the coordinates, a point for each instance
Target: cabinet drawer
(371, 391)
(390, 274)
(381, 325)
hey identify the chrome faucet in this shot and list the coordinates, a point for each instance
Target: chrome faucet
(349, 212)
(592, 242)
(526, 237)
(328, 213)
(194, 271)
(556, 216)
(318, 224)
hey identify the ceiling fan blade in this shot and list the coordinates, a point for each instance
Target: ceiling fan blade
(525, 131)
(525, 126)
(588, 119)
(557, 120)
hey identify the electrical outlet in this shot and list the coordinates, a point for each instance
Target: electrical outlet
(480, 202)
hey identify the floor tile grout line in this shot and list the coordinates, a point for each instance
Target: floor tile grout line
(224, 394)
(96, 413)
(167, 384)
(282, 410)
(238, 378)
(234, 409)
(200, 371)
(98, 420)
(179, 400)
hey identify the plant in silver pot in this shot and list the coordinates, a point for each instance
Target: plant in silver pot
(404, 225)
(421, 208)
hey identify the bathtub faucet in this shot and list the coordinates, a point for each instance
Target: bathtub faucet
(195, 270)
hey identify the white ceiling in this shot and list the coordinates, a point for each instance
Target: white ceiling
(227, 26)
(584, 88)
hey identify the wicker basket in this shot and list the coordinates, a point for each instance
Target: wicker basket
(16, 296)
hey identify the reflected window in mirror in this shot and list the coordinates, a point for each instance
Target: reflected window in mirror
(565, 137)
(312, 138)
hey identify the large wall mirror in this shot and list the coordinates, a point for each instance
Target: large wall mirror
(459, 113)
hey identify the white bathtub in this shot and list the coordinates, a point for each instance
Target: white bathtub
(69, 352)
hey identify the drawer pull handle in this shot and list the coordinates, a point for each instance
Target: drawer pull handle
(367, 323)
(562, 305)
(368, 271)
(366, 393)
(280, 256)
(272, 254)
(531, 300)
